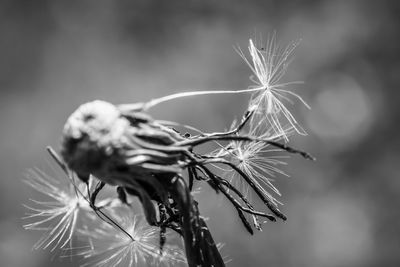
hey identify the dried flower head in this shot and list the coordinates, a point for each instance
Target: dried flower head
(122, 146)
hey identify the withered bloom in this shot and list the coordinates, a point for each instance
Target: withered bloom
(126, 148)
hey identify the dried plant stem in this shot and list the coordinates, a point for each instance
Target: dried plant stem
(147, 105)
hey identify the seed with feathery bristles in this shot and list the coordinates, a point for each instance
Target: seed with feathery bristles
(113, 248)
(58, 215)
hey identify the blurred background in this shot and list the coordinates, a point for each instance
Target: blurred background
(343, 209)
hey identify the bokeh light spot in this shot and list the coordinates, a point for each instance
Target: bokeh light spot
(341, 110)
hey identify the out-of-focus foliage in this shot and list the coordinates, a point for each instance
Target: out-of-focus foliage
(342, 209)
